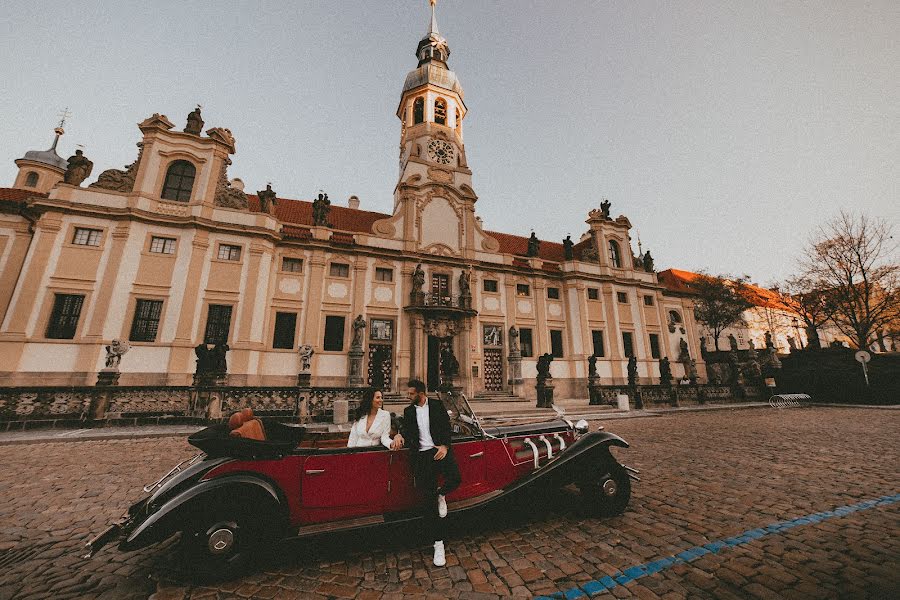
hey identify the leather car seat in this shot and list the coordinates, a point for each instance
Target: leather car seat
(242, 424)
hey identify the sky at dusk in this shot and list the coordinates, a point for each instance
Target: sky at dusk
(725, 131)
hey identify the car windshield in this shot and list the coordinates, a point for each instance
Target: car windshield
(462, 420)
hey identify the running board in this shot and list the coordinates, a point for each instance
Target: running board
(370, 521)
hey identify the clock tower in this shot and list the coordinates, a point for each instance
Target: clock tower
(434, 203)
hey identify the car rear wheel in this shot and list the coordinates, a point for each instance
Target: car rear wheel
(222, 545)
(606, 490)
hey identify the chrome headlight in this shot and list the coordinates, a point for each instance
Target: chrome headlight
(581, 427)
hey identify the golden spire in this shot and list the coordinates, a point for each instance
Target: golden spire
(434, 27)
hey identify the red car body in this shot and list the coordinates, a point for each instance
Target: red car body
(296, 484)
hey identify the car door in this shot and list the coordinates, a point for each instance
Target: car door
(470, 459)
(344, 483)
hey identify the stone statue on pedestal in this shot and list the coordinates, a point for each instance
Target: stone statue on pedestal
(648, 262)
(513, 340)
(306, 354)
(321, 207)
(418, 279)
(534, 245)
(732, 342)
(568, 248)
(194, 122)
(78, 169)
(114, 353)
(665, 371)
(632, 371)
(604, 208)
(592, 367)
(267, 199)
(359, 324)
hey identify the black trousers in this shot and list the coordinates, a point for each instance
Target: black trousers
(427, 471)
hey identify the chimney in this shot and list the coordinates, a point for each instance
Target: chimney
(353, 202)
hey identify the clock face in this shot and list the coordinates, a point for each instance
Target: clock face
(440, 151)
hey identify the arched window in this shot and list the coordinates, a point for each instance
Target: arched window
(615, 256)
(418, 110)
(458, 120)
(674, 317)
(31, 179)
(440, 111)
(179, 181)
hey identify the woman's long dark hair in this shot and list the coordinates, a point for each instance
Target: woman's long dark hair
(365, 405)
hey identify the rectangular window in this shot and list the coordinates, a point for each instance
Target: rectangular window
(292, 265)
(523, 289)
(654, 345)
(334, 334)
(489, 285)
(526, 343)
(593, 294)
(553, 293)
(146, 320)
(384, 274)
(229, 252)
(597, 339)
(218, 323)
(162, 245)
(556, 343)
(285, 327)
(64, 318)
(622, 297)
(339, 270)
(86, 237)
(628, 343)
(648, 301)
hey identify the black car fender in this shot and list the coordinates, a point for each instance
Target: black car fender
(175, 513)
(586, 453)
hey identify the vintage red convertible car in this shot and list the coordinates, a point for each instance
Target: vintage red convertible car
(240, 495)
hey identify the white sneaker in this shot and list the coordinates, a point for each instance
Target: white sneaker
(439, 559)
(442, 506)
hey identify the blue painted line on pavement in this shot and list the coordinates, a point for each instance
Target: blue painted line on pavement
(607, 582)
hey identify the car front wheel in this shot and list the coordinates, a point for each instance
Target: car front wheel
(607, 490)
(221, 546)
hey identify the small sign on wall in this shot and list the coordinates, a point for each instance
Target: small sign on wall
(474, 370)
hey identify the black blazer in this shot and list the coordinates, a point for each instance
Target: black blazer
(438, 419)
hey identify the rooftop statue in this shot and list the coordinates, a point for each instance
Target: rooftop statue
(604, 208)
(568, 246)
(648, 262)
(79, 168)
(534, 245)
(194, 122)
(267, 199)
(321, 207)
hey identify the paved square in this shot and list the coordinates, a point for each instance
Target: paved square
(706, 477)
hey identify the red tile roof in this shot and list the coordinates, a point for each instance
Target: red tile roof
(299, 212)
(295, 213)
(680, 281)
(17, 195)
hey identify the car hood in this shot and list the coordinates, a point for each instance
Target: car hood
(555, 426)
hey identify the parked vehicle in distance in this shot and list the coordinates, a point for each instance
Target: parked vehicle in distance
(240, 495)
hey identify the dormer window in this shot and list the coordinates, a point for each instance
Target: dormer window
(615, 255)
(440, 111)
(179, 181)
(418, 110)
(31, 179)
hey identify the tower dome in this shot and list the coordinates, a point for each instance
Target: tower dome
(40, 170)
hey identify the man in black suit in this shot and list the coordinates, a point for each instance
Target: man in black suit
(426, 432)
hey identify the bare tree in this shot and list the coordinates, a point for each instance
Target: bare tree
(813, 303)
(853, 259)
(720, 302)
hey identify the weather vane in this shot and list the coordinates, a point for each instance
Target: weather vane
(63, 115)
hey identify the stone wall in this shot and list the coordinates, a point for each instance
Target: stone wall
(84, 406)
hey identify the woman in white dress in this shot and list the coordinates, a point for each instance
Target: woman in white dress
(373, 424)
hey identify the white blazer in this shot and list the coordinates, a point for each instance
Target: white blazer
(380, 432)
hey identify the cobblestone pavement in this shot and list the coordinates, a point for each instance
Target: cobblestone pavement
(706, 476)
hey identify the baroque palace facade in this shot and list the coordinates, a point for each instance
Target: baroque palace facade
(169, 254)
